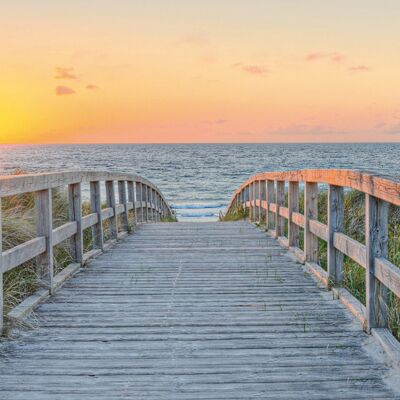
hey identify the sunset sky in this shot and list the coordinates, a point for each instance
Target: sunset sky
(199, 71)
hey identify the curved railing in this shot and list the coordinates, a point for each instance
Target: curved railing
(273, 197)
(134, 193)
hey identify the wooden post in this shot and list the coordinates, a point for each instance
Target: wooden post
(1, 273)
(250, 196)
(146, 202)
(376, 242)
(335, 224)
(75, 214)
(44, 227)
(123, 200)
(256, 197)
(262, 191)
(131, 198)
(293, 206)
(270, 199)
(95, 207)
(280, 201)
(139, 199)
(110, 200)
(310, 212)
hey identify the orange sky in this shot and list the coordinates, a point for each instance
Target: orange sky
(191, 71)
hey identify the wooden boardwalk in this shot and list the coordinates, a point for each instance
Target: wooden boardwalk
(192, 311)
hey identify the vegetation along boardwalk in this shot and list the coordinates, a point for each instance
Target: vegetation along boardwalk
(183, 310)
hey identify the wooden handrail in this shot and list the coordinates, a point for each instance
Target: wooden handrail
(133, 192)
(268, 205)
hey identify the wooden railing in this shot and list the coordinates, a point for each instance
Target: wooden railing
(264, 195)
(134, 193)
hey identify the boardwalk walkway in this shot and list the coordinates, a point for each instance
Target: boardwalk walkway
(192, 311)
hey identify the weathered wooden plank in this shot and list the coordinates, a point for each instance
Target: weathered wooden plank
(318, 229)
(270, 199)
(376, 245)
(284, 212)
(335, 224)
(64, 232)
(1, 272)
(293, 207)
(123, 200)
(95, 207)
(350, 247)
(75, 214)
(388, 274)
(111, 203)
(24, 252)
(298, 219)
(280, 202)
(310, 213)
(90, 220)
(44, 229)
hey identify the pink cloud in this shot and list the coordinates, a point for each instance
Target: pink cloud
(331, 56)
(65, 73)
(92, 87)
(359, 68)
(255, 69)
(64, 90)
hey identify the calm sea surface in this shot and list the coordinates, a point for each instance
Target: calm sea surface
(198, 179)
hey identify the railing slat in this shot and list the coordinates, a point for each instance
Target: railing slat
(350, 247)
(388, 274)
(310, 212)
(89, 220)
(318, 229)
(75, 214)
(64, 232)
(110, 201)
(298, 219)
(123, 199)
(293, 206)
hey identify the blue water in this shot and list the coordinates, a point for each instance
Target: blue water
(199, 179)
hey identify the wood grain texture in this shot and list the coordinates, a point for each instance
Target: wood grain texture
(310, 213)
(75, 215)
(192, 311)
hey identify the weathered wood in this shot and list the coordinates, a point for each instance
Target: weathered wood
(139, 200)
(318, 229)
(298, 219)
(44, 228)
(107, 213)
(145, 198)
(111, 203)
(64, 232)
(284, 212)
(132, 199)
(350, 247)
(335, 224)
(1, 272)
(280, 202)
(89, 220)
(310, 212)
(388, 274)
(123, 199)
(376, 243)
(95, 207)
(242, 323)
(270, 199)
(75, 215)
(24, 252)
(293, 206)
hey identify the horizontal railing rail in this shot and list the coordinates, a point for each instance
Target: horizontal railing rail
(134, 193)
(273, 198)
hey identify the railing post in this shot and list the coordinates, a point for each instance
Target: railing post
(139, 199)
(256, 188)
(335, 224)
(146, 202)
(123, 200)
(44, 227)
(95, 207)
(75, 214)
(110, 200)
(262, 191)
(270, 199)
(280, 201)
(310, 212)
(376, 242)
(250, 196)
(131, 199)
(293, 206)
(1, 272)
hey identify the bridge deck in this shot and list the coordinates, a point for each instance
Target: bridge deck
(192, 311)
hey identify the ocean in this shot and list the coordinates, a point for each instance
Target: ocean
(199, 179)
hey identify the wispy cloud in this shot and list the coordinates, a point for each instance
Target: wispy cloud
(92, 87)
(334, 57)
(359, 68)
(252, 69)
(65, 73)
(196, 39)
(64, 91)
